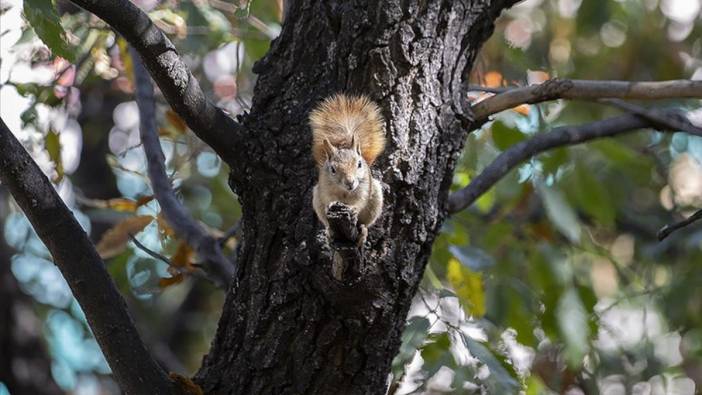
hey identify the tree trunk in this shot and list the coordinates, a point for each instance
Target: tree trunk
(288, 326)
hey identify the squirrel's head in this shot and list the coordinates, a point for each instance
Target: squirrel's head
(345, 166)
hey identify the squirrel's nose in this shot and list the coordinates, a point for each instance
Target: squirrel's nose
(351, 184)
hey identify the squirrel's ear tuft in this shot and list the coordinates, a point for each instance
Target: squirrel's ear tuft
(329, 149)
(355, 144)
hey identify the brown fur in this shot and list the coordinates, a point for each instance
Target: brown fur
(341, 119)
(348, 136)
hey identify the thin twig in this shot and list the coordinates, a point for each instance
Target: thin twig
(197, 273)
(149, 251)
(586, 90)
(173, 210)
(670, 228)
(559, 137)
(231, 232)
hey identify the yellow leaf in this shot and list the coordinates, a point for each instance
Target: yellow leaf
(168, 281)
(122, 204)
(183, 257)
(114, 241)
(126, 58)
(468, 286)
(493, 79)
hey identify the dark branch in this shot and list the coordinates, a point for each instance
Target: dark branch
(662, 119)
(559, 137)
(173, 210)
(586, 90)
(75, 255)
(668, 229)
(179, 86)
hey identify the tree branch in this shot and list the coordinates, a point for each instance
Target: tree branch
(668, 229)
(584, 89)
(75, 255)
(559, 137)
(660, 118)
(173, 210)
(179, 86)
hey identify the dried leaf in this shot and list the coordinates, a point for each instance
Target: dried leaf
(168, 281)
(493, 79)
(522, 109)
(185, 384)
(144, 200)
(183, 257)
(176, 121)
(537, 77)
(114, 241)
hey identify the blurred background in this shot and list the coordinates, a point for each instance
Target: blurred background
(553, 282)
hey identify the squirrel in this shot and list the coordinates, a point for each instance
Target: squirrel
(347, 137)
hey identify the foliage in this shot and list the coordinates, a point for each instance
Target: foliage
(553, 279)
(574, 280)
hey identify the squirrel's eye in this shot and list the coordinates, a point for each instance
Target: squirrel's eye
(332, 169)
(359, 164)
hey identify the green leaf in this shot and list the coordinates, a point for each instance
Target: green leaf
(573, 325)
(27, 89)
(560, 213)
(591, 196)
(42, 16)
(553, 160)
(547, 285)
(53, 147)
(504, 136)
(635, 165)
(29, 116)
(513, 305)
(502, 374)
(436, 354)
(413, 338)
(589, 300)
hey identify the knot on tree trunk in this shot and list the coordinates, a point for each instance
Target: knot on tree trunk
(345, 238)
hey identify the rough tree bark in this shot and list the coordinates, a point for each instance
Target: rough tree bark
(288, 326)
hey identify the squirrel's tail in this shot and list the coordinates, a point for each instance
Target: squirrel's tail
(340, 118)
